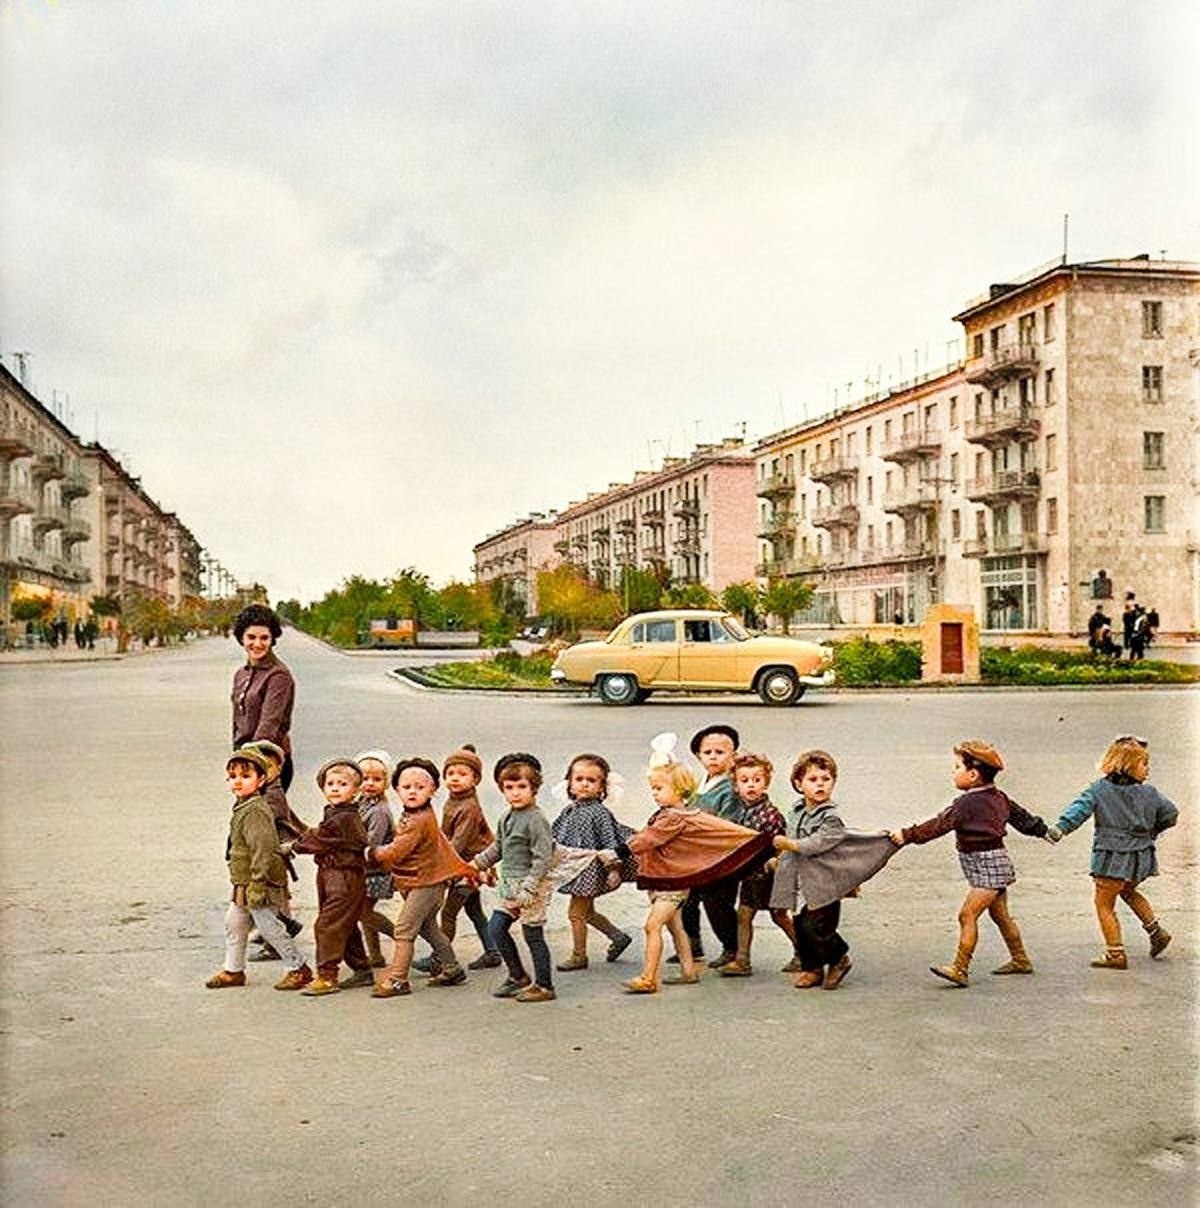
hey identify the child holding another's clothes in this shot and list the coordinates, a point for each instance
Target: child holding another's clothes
(376, 813)
(524, 848)
(821, 862)
(587, 822)
(978, 817)
(751, 784)
(1130, 815)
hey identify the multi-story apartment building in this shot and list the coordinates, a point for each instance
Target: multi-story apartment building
(690, 519)
(513, 556)
(1063, 445)
(74, 523)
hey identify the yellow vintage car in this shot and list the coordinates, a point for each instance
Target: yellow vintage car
(692, 649)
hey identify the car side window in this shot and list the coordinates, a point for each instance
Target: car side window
(638, 632)
(696, 631)
(660, 631)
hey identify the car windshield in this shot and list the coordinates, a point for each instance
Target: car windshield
(734, 627)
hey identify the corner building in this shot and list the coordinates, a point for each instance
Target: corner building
(1063, 445)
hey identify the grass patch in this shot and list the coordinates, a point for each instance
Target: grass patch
(1035, 665)
(504, 670)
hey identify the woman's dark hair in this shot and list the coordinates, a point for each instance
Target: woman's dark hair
(257, 614)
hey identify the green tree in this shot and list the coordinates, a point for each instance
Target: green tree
(571, 603)
(689, 595)
(744, 600)
(640, 591)
(786, 597)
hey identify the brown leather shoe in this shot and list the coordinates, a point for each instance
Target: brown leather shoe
(836, 973)
(810, 979)
(223, 979)
(736, 968)
(535, 993)
(320, 986)
(390, 989)
(572, 962)
(295, 979)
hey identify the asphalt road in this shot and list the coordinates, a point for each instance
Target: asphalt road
(125, 1082)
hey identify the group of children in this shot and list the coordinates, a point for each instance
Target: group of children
(717, 843)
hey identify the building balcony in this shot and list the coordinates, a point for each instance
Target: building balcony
(1003, 486)
(76, 530)
(999, 365)
(74, 486)
(830, 469)
(776, 484)
(562, 547)
(1001, 544)
(626, 524)
(49, 517)
(580, 543)
(790, 568)
(601, 532)
(781, 524)
(913, 445)
(656, 552)
(112, 501)
(837, 515)
(15, 441)
(1019, 423)
(911, 500)
(16, 499)
(653, 518)
(45, 467)
(687, 546)
(687, 509)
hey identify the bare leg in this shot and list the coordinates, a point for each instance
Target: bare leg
(974, 904)
(688, 965)
(660, 915)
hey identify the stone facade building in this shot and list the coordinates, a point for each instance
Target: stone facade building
(1063, 445)
(513, 556)
(74, 524)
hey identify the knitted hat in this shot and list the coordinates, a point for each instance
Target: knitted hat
(701, 735)
(515, 757)
(981, 752)
(251, 754)
(466, 756)
(416, 761)
(378, 755)
(339, 762)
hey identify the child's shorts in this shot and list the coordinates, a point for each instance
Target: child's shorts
(678, 896)
(755, 892)
(987, 869)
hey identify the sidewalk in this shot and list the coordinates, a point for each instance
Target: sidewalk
(106, 650)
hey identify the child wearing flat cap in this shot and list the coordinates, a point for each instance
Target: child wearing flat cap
(257, 875)
(978, 817)
(337, 843)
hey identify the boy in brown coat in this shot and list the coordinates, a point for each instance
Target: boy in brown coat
(337, 843)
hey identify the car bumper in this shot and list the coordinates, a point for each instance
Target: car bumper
(824, 680)
(557, 675)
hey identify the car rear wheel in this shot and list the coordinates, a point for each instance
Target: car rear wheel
(779, 686)
(618, 689)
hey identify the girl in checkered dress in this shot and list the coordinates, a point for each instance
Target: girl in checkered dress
(978, 818)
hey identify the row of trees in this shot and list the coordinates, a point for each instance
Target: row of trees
(344, 615)
(567, 600)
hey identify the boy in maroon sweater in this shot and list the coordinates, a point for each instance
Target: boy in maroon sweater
(978, 818)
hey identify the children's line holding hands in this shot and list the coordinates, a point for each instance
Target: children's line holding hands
(718, 842)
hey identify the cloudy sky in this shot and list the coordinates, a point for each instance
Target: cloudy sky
(352, 285)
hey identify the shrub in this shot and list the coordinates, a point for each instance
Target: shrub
(862, 661)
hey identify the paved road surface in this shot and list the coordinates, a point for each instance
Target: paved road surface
(125, 1082)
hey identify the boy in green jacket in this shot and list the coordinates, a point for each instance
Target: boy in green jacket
(258, 877)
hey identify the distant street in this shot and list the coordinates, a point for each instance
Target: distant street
(126, 1082)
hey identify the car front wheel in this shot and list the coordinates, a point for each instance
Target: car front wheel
(618, 689)
(779, 686)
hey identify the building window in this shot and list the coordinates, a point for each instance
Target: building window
(954, 469)
(870, 536)
(1051, 452)
(887, 430)
(803, 462)
(954, 411)
(1051, 392)
(1152, 383)
(1048, 322)
(979, 407)
(955, 525)
(1026, 328)
(888, 533)
(1152, 324)
(977, 344)
(1052, 515)
(931, 417)
(1152, 451)
(996, 337)
(870, 439)
(1156, 513)
(870, 489)
(851, 442)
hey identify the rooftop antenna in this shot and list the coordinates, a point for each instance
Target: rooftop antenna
(21, 358)
(1066, 231)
